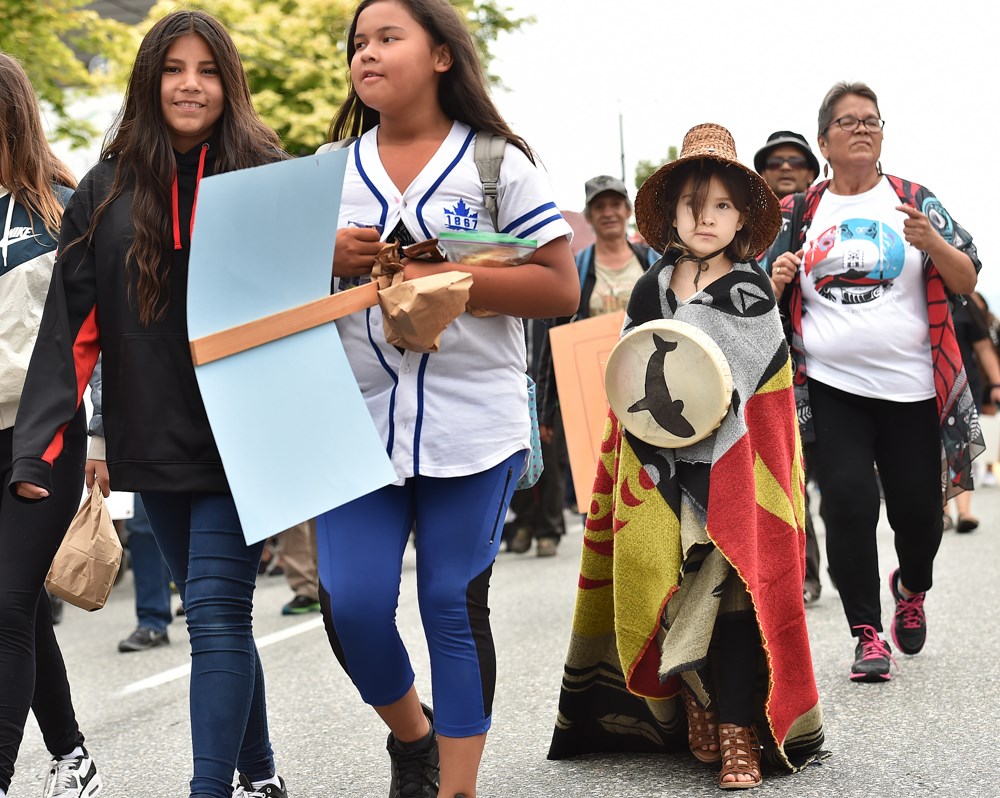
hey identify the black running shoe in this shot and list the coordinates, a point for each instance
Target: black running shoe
(872, 657)
(909, 624)
(415, 766)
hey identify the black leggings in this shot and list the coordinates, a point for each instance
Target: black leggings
(30, 533)
(733, 659)
(854, 434)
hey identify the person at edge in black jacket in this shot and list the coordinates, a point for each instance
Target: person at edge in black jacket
(34, 187)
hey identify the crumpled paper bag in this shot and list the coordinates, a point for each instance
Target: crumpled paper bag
(86, 564)
(416, 312)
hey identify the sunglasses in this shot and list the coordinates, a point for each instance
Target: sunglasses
(795, 162)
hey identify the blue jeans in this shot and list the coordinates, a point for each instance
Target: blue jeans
(149, 571)
(215, 572)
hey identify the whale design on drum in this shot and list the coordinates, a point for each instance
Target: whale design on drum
(665, 410)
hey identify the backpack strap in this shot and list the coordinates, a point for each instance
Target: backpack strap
(798, 221)
(489, 155)
(583, 260)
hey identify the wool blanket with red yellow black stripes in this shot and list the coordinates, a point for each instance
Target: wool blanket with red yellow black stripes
(654, 515)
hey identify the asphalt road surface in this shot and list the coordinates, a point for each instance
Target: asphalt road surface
(931, 731)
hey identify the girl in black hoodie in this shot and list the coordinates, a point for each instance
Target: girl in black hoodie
(119, 290)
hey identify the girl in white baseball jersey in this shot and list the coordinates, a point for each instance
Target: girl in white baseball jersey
(455, 422)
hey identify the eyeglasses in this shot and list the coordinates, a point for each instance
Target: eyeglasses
(850, 123)
(794, 161)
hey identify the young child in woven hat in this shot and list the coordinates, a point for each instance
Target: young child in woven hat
(691, 575)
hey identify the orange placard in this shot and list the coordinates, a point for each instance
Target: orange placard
(579, 353)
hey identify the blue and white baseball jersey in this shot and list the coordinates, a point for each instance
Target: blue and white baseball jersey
(463, 408)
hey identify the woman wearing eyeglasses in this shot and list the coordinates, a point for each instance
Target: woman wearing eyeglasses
(864, 267)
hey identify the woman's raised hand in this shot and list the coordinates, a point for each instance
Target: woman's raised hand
(918, 230)
(783, 270)
(955, 266)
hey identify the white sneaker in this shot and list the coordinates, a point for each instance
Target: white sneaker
(72, 778)
(245, 789)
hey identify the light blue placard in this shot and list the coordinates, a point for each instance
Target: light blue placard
(295, 435)
(263, 240)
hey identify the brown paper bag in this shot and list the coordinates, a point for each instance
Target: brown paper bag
(416, 312)
(388, 267)
(86, 564)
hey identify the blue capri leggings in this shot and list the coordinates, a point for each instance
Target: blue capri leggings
(458, 523)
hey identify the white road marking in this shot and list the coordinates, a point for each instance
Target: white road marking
(185, 670)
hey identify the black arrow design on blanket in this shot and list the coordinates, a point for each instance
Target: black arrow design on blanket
(666, 411)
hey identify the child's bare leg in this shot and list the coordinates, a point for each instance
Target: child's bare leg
(460, 758)
(405, 718)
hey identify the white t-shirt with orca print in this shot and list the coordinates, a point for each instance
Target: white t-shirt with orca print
(464, 408)
(864, 321)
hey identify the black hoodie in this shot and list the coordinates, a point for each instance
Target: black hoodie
(156, 428)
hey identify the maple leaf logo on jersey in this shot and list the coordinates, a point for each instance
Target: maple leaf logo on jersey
(461, 217)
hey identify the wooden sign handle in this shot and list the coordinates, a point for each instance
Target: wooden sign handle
(280, 325)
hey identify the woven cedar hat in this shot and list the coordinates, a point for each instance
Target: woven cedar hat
(712, 142)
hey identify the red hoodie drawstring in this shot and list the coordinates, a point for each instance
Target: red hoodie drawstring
(194, 203)
(175, 212)
(197, 183)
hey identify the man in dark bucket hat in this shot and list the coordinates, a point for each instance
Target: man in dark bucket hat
(787, 163)
(788, 166)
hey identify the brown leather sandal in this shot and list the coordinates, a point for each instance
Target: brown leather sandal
(740, 756)
(703, 728)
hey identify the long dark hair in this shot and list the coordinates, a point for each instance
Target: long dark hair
(28, 167)
(701, 171)
(139, 142)
(462, 90)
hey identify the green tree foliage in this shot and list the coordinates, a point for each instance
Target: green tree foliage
(50, 39)
(643, 169)
(294, 52)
